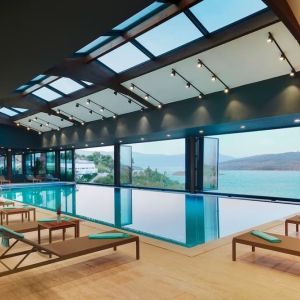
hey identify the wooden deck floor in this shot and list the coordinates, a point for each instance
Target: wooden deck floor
(163, 272)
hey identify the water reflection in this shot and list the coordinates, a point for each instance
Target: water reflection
(180, 218)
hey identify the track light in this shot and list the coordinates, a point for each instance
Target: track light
(270, 38)
(88, 101)
(102, 108)
(226, 90)
(213, 78)
(28, 128)
(114, 116)
(58, 111)
(199, 64)
(146, 97)
(35, 118)
(82, 123)
(71, 117)
(41, 125)
(200, 96)
(132, 86)
(61, 119)
(173, 73)
(129, 101)
(29, 120)
(91, 112)
(188, 85)
(159, 106)
(77, 104)
(292, 73)
(47, 124)
(40, 132)
(58, 129)
(116, 93)
(282, 57)
(18, 124)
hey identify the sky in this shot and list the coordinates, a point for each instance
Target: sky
(260, 142)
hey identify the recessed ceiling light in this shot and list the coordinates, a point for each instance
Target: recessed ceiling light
(297, 121)
(142, 139)
(102, 143)
(200, 96)
(201, 131)
(168, 135)
(120, 141)
(243, 127)
(86, 145)
(73, 146)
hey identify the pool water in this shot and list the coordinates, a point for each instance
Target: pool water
(180, 218)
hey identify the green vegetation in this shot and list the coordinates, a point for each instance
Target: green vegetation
(153, 178)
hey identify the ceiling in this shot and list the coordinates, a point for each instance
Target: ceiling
(37, 35)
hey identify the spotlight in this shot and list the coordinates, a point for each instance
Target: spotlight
(29, 120)
(116, 93)
(35, 118)
(292, 73)
(173, 73)
(40, 132)
(159, 106)
(86, 145)
(142, 139)
(73, 146)
(58, 129)
(226, 90)
(61, 119)
(282, 57)
(88, 101)
(120, 141)
(146, 97)
(243, 127)
(200, 96)
(58, 111)
(82, 123)
(297, 121)
(90, 111)
(114, 116)
(188, 85)
(199, 64)
(70, 117)
(41, 125)
(77, 104)
(47, 124)
(213, 78)
(28, 128)
(129, 101)
(201, 131)
(269, 39)
(18, 124)
(132, 86)
(102, 143)
(102, 108)
(168, 135)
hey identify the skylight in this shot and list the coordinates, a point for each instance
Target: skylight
(87, 82)
(140, 15)
(66, 85)
(123, 58)
(46, 94)
(8, 112)
(38, 78)
(169, 35)
(215, 14)
(94, 44)
(22, 88)
(21, 110)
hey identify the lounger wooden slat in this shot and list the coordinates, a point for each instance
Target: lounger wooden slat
(288, 245)
(61, 250)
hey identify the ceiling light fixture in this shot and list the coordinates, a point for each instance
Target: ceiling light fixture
(91, 112)
(243, 127)
(129, 100)
(199, 64)
(77, 104)
(297, 121)
(159, 106)
(18, 124)
(173, 73)
(188, 84)
(116, 93)
(132, 86)
(226, 90)
(270, 38)
(213, 78)
(29, 120)
(146, 97)
(88, 101)
(114, 116)
(282, 56)
(82, 123)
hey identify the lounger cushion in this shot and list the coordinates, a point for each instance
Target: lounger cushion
(4, 230)
(265, 236)
(52, 219)
(112, 235)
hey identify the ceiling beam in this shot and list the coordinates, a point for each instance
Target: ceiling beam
(282, 9)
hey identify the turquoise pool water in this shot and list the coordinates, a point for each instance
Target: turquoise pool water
(180, 218)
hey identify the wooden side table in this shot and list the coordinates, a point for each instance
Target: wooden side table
(52, 226)
(293, 220)
(4, 213)
(7, 203)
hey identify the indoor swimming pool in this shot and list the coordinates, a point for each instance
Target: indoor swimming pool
(180, 218)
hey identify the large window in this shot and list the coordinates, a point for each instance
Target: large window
(3, 165)
(50, 163)
(263, 163)
(17, 168)
(66, 165)
(95, 165)
(154, 164)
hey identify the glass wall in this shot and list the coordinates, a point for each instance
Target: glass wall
(95, 165)
(158, 164)
(17, 167)
(50, 163)
(262, 163)
(66, 165)
(3, 165)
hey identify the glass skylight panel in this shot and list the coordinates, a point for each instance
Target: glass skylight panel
(38, 78)
(8, 112)
(140, 15)
(21, 110)
(87, 82)
(215, 14)
(169, 35)
(22, 88)
(123, 58)
(66, 85)
(46, 94)
(94, 44)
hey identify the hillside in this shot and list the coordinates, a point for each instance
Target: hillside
(282, 161)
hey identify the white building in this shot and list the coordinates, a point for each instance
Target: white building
(83, 167)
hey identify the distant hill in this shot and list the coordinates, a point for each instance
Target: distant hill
(223, 158)
(282, 161)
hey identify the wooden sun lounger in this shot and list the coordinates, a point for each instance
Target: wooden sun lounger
(61, 250)
(288, 245)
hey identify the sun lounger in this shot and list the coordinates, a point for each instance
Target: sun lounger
(287, 244)
(61, 250)
(4, 180)
(33, 179)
